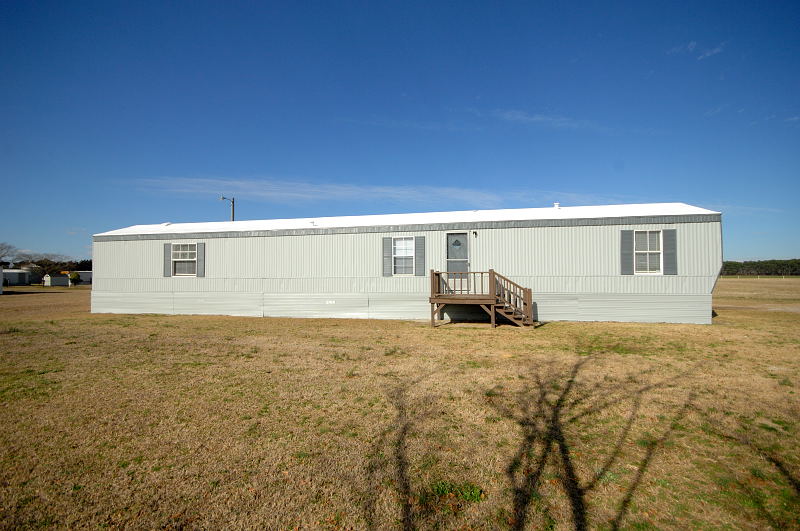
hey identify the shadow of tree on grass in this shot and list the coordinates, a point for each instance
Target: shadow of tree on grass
(782, 515)
(390, 480)
(552, 402)
(553, 411)
(394, 441)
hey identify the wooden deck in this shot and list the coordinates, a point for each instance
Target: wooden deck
(494, 293)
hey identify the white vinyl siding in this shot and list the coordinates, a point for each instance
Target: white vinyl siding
(647, 252)
(341, 275)
(184, 259)
(403, 256)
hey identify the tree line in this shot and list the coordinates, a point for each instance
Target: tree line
(46, 263)
(762, 267)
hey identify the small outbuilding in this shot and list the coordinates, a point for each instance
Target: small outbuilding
(56, 279)
(644, 262)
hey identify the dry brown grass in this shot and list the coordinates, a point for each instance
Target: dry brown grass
(207, 422)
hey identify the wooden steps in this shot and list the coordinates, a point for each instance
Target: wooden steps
(513, 315)
(495, 294)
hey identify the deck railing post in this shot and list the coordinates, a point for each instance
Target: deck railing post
(492, 285)
(434, 291)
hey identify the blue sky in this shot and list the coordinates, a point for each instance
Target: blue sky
(120, 113)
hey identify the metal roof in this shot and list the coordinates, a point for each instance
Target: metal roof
(421, 218)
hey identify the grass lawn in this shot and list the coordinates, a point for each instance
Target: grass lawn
(150, 421)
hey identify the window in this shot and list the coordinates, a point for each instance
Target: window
(647, 252)
(403, 256)
(184, 259)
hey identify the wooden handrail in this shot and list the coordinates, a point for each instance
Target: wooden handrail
(513, 295)
(460, 283)
(506, 279)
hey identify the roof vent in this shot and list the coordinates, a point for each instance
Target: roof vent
(556, 205)
(166, 224)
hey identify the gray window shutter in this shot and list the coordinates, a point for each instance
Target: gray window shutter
(670, 240)
(626, 252)
(167, 259)
(387, 257)
(201, 259)
(419, 256)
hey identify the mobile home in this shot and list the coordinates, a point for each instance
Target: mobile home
(646, 262)
(16, 277)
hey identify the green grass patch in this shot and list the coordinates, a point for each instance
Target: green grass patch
(646, 441)
(26, 384)
(447, 496)
(393, 351)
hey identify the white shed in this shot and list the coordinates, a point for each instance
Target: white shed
(646, 262)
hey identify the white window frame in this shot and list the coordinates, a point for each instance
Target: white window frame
(395, 256)
(181, 259)
(660, 253)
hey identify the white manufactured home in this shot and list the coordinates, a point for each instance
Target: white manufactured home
(16, 277)
(648, 262)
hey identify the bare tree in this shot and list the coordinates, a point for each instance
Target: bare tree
(38, 257)
(7, 250)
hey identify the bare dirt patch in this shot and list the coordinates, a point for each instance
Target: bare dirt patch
(207, 422)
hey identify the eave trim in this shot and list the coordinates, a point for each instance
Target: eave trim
(473, 225)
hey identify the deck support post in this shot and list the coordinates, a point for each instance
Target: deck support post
(436, 309)
(490, 310)
(433, 294)
(493, 292)
(528, 294)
